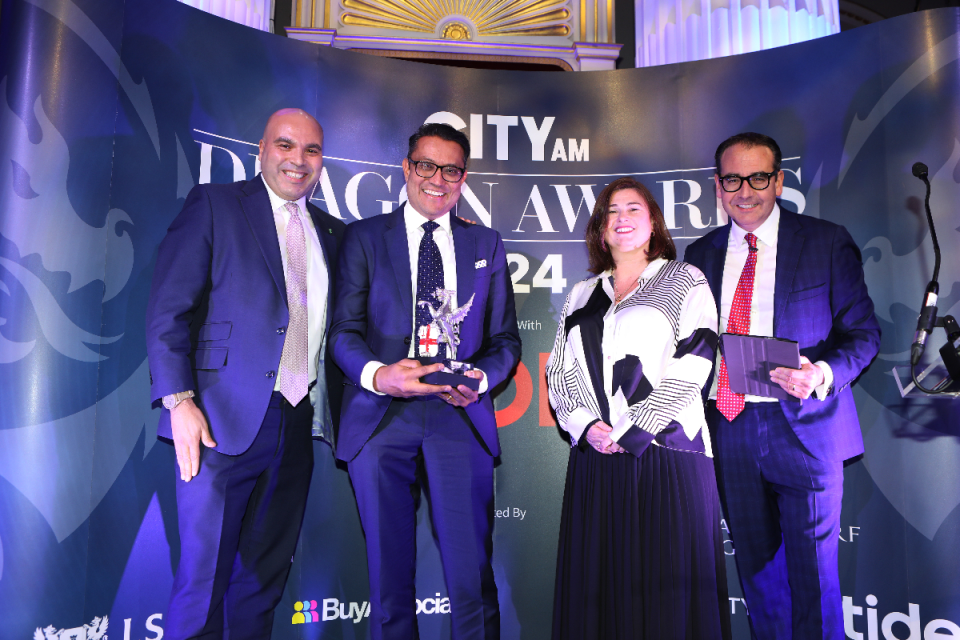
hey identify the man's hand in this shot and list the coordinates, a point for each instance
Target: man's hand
(598, 437)
(799, 383)
(402, 379)
(463, 395)
(190, 429)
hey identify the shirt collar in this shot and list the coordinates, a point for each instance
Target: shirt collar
(413, 219)
(276, 202)
(766, 232)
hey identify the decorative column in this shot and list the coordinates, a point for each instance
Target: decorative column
(252, 13)
(671, 31)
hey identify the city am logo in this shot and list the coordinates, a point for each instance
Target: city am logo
(96, 630)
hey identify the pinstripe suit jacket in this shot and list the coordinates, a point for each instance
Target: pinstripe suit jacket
(820, 301)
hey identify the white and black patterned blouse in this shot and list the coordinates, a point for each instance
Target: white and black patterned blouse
(639, 366)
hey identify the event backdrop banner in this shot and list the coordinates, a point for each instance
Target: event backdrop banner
(111, 110)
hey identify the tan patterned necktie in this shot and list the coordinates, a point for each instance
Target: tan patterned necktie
(293, 362)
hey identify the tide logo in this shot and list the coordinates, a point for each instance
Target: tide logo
(876, 625)
(306, 611)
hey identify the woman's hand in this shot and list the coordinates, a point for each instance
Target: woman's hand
(598, 437)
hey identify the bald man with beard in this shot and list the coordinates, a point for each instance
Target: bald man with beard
(236, 335)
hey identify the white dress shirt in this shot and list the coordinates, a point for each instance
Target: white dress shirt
(443, 236)
(764, 283)
(318, 278)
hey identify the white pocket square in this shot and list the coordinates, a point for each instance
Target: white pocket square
(480, 264)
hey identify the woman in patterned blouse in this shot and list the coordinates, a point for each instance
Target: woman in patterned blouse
(641, 550)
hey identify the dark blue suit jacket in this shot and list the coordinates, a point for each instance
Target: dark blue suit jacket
(218, 308)
(820, 301)
(373, 318)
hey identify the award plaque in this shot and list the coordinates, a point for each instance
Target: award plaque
(445, 329)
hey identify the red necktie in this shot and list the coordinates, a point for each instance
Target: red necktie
(729, 403)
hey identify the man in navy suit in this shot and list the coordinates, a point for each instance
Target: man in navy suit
(236, 326)
(780, 464)
(397, 431)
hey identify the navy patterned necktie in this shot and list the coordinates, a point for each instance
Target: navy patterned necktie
(429, 279)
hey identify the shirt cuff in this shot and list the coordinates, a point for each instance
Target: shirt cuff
(824, 389)
(366, 376)
(483, 383)
(578, 421)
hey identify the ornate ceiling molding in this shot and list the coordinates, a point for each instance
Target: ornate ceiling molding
(461, 19)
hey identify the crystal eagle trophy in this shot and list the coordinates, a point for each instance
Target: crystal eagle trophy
(445, 329)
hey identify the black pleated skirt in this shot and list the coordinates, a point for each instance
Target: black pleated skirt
(641, 549)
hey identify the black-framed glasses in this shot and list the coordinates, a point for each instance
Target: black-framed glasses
(731, 183)
(424, 169)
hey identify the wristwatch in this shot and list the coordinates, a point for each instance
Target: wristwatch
(171, 401)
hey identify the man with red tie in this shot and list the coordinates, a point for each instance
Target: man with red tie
(780, 463)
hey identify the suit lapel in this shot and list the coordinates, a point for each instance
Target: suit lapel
(464, 245)
(789, 245)
(714, 259)
(399, 252)
(328, 246)
(465, 248)
(256, 207)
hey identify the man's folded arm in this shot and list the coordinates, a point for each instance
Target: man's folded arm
(855, 326)
(180, 276)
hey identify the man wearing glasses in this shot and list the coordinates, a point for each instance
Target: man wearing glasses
(398, 433)
(780, 463)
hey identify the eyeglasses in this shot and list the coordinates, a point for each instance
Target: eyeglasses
(731, 183)
(424, 169)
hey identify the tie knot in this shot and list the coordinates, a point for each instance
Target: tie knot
(429, 227)
(292, 208)
(752, 241)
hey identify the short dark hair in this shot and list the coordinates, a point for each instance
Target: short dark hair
(661, 244)
(444, 132)
(749, 140)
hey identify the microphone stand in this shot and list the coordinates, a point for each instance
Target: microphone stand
(928, 314)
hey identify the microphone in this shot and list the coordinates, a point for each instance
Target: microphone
(928, 312)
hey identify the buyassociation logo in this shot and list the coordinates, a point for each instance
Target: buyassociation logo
(307, 611)
(96, 630)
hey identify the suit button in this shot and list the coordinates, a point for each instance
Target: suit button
(270, 374)
(406, 340)
(281, 330)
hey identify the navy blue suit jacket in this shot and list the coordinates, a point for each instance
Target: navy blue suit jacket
(373, 318)
(217, 314)
(820, 301)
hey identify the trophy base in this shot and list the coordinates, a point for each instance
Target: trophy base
(451, 376)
